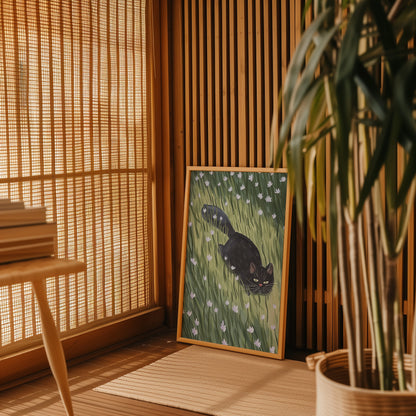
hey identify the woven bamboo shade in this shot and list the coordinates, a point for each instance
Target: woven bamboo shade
(74, 138)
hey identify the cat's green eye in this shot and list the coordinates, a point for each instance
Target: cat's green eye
(255, 280)
(266, 282)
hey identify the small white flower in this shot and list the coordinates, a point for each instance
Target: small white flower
(277, 191)
(189, 313)
(260, 212)
(238, 196)
(232, 267)
(194, 331)
(209, 257)
(196, 322)
(230, 189)
(204, 277)
(190, 224)
(273, 327)
(192, 295)
(214, 217)
(242, 187)
(239, 175)
(272, 349)
(227, 302)
(274, 306)
(219, 286)
(235, 308)
(247, 305)
(250, 329)
(231, 173)
(211, 172)
(216, 310)
(209, 304)
(207, 239)
(224, 342)
(256, 184)
(247, 201)
(212, 232)
(269, 184)
(193, 261)
(260, 196)
(262, 317)
(268, 199)
(237, 278)
(273, 216)
(225, 179)
(204, 210)
(206, 183)
(226, 203)
(225, 258)
(223, 326)
(201, 174)
(250, 178)
(219, 184)
(283, 179)
(257, 343)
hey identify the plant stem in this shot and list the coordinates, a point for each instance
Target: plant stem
(345, 292)
(375, 316)
(356, 292)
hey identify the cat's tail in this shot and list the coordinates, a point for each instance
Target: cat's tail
(217, 217)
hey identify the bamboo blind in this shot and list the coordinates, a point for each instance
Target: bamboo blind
(230, 60)
(74, 138)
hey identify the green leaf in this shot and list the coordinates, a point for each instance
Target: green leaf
(346, 92)
(333, 217)
(385, 30)
(409, 175)
(302, 87)
(310, 182)
(404, 89)
(298, 59)
(377, 160)
(296, 145)
(371, 91)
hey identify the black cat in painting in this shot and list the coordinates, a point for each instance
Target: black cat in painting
(241, 254)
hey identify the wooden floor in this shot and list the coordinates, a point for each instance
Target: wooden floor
(40, 397)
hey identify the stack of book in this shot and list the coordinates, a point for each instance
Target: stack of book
(24, 232)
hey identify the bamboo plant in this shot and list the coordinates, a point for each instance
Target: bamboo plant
(351, 88)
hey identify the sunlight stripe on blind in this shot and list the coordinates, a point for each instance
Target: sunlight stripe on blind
(74, 138)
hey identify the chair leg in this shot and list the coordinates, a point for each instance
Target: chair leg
(53, 346)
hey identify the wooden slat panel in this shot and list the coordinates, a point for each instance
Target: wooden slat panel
(225, 85)
(251, 83)
(242, 55)
(259, 112)
(187, 99)
(210, 82)
(204, 39)
(196, 151)
(218, 83)
(233, 86)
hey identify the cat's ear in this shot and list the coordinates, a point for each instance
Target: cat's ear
(252, 268)
(269, 269)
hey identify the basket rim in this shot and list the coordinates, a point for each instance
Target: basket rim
(360, 390)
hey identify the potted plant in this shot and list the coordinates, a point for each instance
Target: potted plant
(351, 87)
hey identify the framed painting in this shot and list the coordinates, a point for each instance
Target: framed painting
(234, 266)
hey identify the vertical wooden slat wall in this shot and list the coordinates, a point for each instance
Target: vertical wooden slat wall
(229, 59)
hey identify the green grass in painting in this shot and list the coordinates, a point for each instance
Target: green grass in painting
(216, 307)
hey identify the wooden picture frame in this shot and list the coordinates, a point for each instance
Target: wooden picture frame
(235, 255)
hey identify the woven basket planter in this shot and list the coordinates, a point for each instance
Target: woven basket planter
(335, 397)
